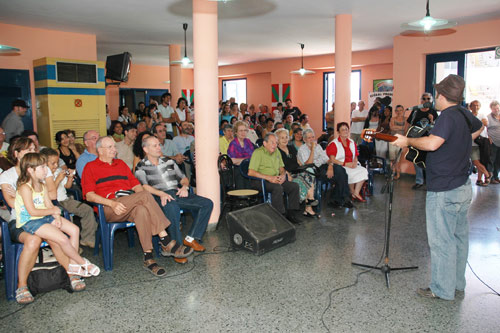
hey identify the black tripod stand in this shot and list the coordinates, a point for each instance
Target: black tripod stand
(385, 268)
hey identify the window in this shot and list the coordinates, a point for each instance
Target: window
(235, 88)
(479, 68)
(329, 90)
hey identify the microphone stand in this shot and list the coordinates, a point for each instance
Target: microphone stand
(385, 268)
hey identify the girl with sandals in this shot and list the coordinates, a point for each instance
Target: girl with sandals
(8, 183)
(36, 215)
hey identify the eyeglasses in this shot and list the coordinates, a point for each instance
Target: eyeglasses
(426, 98)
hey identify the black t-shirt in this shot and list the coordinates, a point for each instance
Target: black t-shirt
(294, 111)
(448, 167)
(419, 115)
(290, 160)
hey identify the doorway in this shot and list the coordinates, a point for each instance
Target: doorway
(15, 84)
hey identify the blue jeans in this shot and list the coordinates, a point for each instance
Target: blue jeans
(419, 174)
(200, 208)
(448, 235)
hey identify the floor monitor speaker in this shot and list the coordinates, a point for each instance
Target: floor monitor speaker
(259, 229)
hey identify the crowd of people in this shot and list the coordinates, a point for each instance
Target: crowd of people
(140, 172)
(137, 172)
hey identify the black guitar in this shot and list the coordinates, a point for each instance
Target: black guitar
(413, 155)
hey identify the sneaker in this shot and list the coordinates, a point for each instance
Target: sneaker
(417, 186)
(426, 292)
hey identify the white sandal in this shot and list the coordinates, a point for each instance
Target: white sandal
(90, 268)
(75, 269)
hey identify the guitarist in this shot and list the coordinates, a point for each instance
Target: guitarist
(449, 190)
(421, 116)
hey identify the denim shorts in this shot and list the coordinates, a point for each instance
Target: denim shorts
(33, 225)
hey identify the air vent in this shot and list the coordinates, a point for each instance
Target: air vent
(76, 72)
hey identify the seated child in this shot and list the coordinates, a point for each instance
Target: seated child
(63, 180)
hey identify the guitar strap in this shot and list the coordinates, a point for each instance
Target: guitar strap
(469, 124)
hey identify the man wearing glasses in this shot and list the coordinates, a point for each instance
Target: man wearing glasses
(421, 116)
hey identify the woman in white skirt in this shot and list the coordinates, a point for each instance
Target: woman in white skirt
(343, 151)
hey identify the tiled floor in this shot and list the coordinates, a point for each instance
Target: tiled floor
(288, 289)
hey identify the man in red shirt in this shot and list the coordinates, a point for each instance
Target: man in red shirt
(104, 178)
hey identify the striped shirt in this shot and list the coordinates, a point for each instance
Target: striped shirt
(164, 176)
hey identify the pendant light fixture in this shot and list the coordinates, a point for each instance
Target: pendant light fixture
(184, 61)
(8, 49)
(302, 71)
(428, 23)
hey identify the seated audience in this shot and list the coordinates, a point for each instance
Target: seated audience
(326, 137)
(304, 178)
(124, 148)
(89, 140)
(311, 152)
(8, 183)
(63, 180)
(104, 178)
(297, 137)
(116, 130)
(124, 116)
(240, 149)
(72, 141)
(343, 151)
(137, 147)
(226, 139)
(304, 121)
(3, 145)
(266, 163)
(141, 126)
(68, 154)
(163, 178)
(182, 110)
(36, 214)
(168, 147)
(185, 137)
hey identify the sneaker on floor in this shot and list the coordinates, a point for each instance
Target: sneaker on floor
(426, 292)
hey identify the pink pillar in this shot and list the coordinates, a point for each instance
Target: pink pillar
(205, 58)
(174, 53)
(343, 60)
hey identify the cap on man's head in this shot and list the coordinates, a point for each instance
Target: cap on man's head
(452, 87)
(20, 103)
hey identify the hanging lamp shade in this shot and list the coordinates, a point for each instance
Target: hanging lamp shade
(428, 24)
(302, 71)
(8, 49)
(185, 61)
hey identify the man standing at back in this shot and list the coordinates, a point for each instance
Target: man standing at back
(358, 120)
(13, 124)
(293, 110)
(168, 113)
(449, 191)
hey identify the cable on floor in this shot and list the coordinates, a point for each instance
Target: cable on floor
(494, 291)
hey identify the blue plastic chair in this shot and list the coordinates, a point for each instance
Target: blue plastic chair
(266, 197)
(11, 253)
(105, 236)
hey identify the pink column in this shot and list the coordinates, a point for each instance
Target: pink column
(343, 60)
(205, 58)
(174, 53)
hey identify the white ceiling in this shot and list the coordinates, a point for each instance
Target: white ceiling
(249, 30)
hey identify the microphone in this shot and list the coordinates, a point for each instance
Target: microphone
(426, 105)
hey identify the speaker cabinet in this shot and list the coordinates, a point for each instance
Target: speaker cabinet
(259, 229)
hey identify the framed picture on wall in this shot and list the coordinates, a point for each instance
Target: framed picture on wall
(383, 85)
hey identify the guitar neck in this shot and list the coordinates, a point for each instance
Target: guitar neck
(385, 137)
